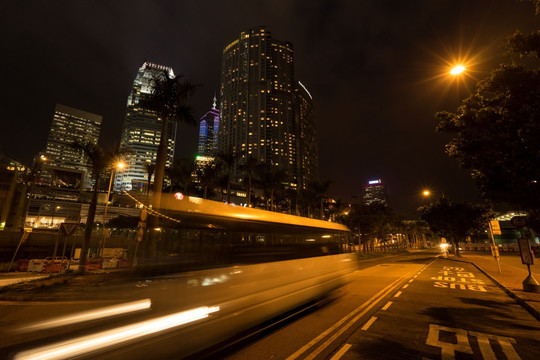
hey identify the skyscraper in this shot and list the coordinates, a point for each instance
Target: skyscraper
(208, 131)
(70, 125)
(258, 101)
(306, 138)
(142, 130)
(375, 192)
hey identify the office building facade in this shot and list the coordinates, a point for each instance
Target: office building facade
(142, 130)
(208, 132)
(375, 191)
(258, 103)
(65, 164)
(306, 138)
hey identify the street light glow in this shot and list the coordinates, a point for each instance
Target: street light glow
(120, 165)
(458, 69)
(426, 193)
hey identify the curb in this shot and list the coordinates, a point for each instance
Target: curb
(509, 292)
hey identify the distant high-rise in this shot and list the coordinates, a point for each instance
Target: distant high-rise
(142, 130)
(70, 125)
(307, 152)
(375, 192)
(208, 132)
(258, 94)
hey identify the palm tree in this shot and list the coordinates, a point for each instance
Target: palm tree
(207, 177)
(318, 190)
(226, 161)
(150, 168)
(249, 168)
(97, 161)
(271, 179)
(180, 173)
(168, 100)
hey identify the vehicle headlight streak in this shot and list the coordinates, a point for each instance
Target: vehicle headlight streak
(85, 344)
(91, 315)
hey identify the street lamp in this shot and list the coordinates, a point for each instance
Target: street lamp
(119, 165)
(458, 69)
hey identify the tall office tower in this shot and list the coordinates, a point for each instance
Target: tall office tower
(375, 192)
(69, 125)
(257, 102)
(307, 152)
(142, 130)
(208, 132)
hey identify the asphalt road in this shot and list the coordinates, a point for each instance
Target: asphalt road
(409, 307)
(412, 306)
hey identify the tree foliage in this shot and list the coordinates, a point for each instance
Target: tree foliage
(373, 221)
(496, 130)
(98, 162)
(455, 221)
(169, 100)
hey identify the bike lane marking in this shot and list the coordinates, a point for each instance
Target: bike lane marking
(502, 329)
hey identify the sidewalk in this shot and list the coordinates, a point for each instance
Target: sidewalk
(16, 277)
(511, 277)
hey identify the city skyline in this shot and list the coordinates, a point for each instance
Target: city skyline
(375, 71)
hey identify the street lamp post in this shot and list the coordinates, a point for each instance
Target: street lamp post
(119, 165)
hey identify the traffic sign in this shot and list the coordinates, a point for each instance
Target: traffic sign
(140, 234)
(144, 214)
(525, 252)
(69, 228)
(495, 227)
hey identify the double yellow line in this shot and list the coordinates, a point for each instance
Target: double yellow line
(346, 322)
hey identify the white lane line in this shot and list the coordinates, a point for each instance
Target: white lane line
(369, 323)
(397, 294)
(346, 321)
(341, 352)
(405, 286)
(411, 280)
(385, 307)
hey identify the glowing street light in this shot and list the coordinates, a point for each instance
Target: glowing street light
(426, 193)
(119, 165)
(458, 69)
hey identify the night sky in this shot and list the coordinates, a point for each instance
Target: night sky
(376, 71)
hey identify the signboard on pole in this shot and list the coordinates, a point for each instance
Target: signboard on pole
(69, 228)
(525, 251)
(140, 233)
(495, 227)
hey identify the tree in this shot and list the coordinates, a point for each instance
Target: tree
(249, 168)
(207, 176)
(270, 180)
(180, 173)
(496, 129)
(226, 162)
(169, 101)
(97, 161)
(318, 190)
(373, 221)
(455, 221)
(150, 168)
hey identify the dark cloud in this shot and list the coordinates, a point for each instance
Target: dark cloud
(373, 68)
